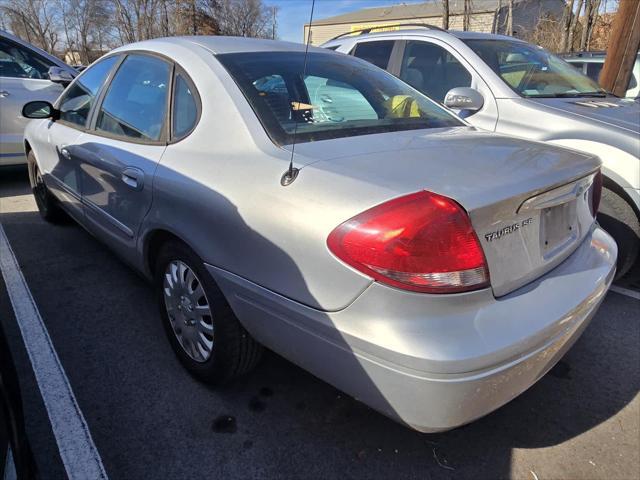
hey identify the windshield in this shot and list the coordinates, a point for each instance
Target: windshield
(340, 96)
(532, 71)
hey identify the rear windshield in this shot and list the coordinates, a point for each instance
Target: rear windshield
(340, 96)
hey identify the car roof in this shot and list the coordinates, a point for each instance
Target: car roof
(221, 45)
(427, 32)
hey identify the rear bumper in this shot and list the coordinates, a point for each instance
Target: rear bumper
(435, 362)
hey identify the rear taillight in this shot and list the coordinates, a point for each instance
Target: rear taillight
(422, 242)
(596, 193)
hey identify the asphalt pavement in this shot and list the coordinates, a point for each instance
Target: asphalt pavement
(150, 419)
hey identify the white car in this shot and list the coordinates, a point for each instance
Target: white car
(26, 73)
(506, 85)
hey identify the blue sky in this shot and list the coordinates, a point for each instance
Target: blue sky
(293, 14)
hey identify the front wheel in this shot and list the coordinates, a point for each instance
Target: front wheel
(202, 329)
(47, 204)
(619, 219)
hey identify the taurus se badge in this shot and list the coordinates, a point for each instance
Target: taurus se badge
(507, 230)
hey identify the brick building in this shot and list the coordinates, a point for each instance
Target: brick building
(485, 16)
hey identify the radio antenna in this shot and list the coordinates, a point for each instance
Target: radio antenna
(292, 173)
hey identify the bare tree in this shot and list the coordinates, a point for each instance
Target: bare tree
(574, 24)
(510, 17)
(466, 16)
(591, 13)
(445, 14)
(87, 26)
(35, 20)
(245, 18)
(566, 24)
(496, 23)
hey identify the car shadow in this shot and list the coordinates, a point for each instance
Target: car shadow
(280, 420)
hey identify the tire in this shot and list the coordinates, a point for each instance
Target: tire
(48, 206)
(619, 219)
(233, 351)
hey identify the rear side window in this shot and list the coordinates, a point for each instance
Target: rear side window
(432, 69)
(76, 102)
(135, 105)
(20, 62)
(185, 108)
(377, 53)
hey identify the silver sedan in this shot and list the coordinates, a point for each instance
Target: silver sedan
(316, 205)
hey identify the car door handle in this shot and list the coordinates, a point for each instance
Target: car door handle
(133, 177)
(4, 93)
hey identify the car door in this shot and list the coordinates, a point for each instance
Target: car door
(119, 155)
(58, 156)
(23, 78)
(434, 68)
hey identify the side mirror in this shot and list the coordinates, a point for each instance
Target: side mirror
(38, 109)
(464, 98)
(60, 75)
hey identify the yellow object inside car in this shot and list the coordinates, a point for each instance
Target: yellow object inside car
(402, 106)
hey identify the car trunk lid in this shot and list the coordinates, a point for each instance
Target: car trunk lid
(528, 202)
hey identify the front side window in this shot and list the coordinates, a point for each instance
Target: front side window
(76, 102)
(20, 62)
(135, 105)
(340, 96)
(377, 53)
(432, 69)
(185, 109)
(532, 71)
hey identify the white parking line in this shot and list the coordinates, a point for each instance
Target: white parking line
(79, 455)
(625, 291)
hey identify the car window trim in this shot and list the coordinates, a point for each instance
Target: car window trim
(106, 82)
(178, 70)
(397, 55)
(163, 140)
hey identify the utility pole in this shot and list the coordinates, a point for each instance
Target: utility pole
(623, 48)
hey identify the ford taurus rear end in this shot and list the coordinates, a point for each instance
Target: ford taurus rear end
(314, 204)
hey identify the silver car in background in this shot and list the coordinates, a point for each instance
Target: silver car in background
(505, 85)
(592, 63)
(428, 269)
(26, 73)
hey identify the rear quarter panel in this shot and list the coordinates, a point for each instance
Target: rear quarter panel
(219, 191)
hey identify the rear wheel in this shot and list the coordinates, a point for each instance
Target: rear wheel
(202, 329)
(619, 219)
(48, 205)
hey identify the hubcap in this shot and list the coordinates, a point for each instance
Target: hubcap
(188, 310)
